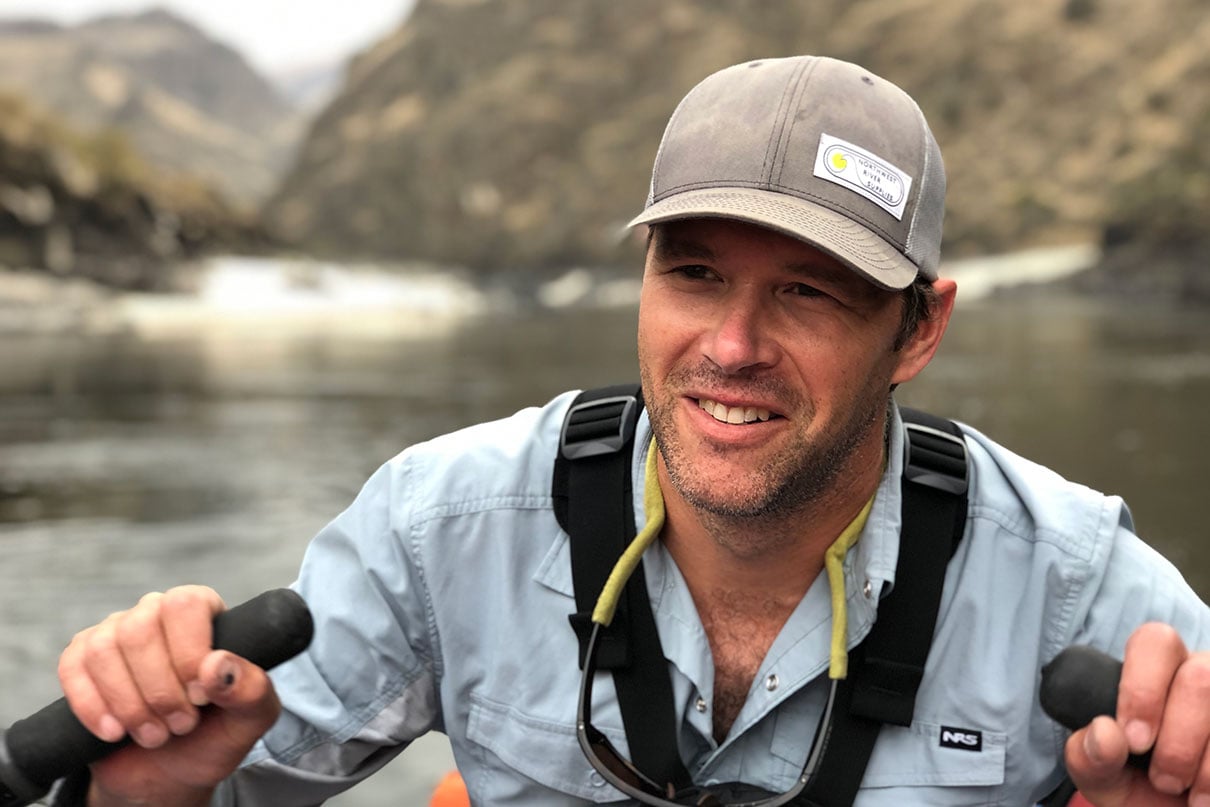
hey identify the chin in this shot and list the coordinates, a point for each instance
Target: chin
(737, 499)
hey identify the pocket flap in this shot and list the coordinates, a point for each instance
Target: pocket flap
(931, 754)
(545, 752)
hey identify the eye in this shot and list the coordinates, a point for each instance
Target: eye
(693, 271)
(805, 290)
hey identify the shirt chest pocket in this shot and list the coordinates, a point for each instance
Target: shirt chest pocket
(928, 763)
(925, 764)
(542, 751)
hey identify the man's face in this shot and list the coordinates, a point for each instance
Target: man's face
(766, 366)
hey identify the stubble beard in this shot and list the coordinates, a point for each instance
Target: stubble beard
(783, 488)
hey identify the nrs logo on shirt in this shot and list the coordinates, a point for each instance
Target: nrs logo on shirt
(962, 739)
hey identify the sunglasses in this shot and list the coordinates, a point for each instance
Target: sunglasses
(622, 774)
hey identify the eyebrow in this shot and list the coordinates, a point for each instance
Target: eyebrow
(826, 267)
(669, 248)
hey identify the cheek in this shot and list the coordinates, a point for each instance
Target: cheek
(834, 373)
(648, 350)
(661, 336)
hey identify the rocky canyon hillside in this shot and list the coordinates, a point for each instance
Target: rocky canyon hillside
(84, 204)
(187, 103)
(514, 136)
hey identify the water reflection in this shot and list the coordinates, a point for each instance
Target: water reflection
(1111, 395)
(137, 460)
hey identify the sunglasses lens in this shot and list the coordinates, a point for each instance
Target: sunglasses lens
(722, 795)
(609, 759)
(622, 774)
(725, 795)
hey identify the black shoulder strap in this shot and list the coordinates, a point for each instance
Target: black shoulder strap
(886, 669)
(934, 517)
(593, 500)
(593, 497)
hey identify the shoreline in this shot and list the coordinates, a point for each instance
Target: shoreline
(242, 295)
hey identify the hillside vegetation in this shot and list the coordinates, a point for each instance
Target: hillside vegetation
(186, 102)
(86, 205)
(514, 137)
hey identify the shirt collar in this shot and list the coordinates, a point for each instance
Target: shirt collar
(869, 567)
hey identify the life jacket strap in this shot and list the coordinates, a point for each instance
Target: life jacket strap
(594, 503)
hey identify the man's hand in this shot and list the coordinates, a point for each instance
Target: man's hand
(192, 712)
(1163, 707)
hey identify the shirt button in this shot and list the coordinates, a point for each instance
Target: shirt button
(771, 682)
(597, 779)
(868, 589)
(700, 705)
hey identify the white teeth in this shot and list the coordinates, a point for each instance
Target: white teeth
(733, 414)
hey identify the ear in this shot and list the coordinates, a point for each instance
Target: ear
(919, 350)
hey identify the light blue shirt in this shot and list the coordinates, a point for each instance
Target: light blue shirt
(441, 599)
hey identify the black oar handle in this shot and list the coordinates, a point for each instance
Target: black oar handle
(1081, 683)
(52, 743)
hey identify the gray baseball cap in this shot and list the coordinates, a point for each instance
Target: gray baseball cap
(816, 148)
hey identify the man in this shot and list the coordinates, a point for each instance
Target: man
(790, 284)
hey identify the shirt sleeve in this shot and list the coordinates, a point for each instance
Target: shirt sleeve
(1138, 585)
(367, 685)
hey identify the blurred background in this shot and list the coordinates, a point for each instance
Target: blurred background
(249, 251)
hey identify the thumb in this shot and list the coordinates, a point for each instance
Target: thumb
(1096, 760)
(240, 706)
(239, 688)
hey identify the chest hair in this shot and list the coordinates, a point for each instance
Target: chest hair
(741, 628)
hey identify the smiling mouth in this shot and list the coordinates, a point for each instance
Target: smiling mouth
(735, 415)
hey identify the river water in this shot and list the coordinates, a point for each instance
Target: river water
(146, 442)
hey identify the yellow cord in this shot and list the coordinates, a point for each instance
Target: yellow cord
(653, 503)
(833, 560)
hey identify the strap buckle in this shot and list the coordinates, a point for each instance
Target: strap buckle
(598, 427)
(934, 458)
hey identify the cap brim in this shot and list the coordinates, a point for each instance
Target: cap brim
(850, 243)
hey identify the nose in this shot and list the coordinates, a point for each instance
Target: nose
(739, 339)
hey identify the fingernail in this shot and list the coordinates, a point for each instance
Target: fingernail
(1090, 746)
(1138, 736)
(1168, 784)
(151, 735)
(197, 693)
(110, 729)
(180, 723)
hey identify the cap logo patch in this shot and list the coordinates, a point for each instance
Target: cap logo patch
(858, 170)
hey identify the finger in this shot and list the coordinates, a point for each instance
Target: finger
(188, 621)
(1200, 792)
(85, 700)
(1181, 743)
(113, 651)
(1095, 757)
(105, 665)
(244, 707)
(1098, 751)
(142, 637)
(1154, 652)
